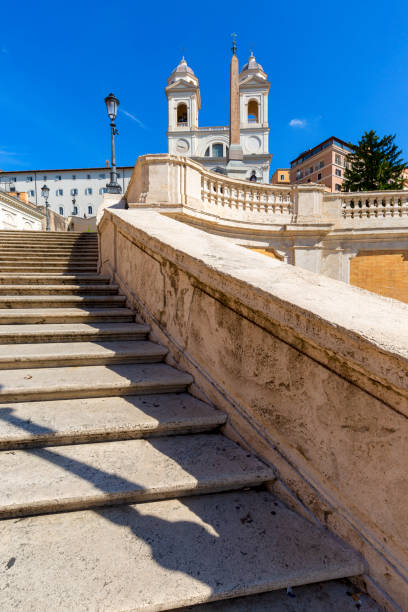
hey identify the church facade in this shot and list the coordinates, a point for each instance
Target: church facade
(209, 145)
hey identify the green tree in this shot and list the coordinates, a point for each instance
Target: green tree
(374, 164)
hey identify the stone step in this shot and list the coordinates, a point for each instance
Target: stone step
(77, 421)
(46, 250)
(71, 332)
(47, 268)
(57, 301)
(64, 315)
(57, 290)
(57, 354)
(165, 554)
(82, 476)
(51, 279)
(57, 259)
(333, 595)
(35, 384)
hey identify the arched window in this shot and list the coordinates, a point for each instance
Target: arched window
(61, 211)
(207, 152)
(75, 210)
(89, 210)
(253, 111)
(182, 113)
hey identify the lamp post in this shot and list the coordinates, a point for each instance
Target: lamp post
(112, 104)
(45, 192)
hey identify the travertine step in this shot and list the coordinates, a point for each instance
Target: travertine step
(47, 249)
(52, 258)
(333, 595)
(16, 278)
(63, 315)
(164, 555)
(90, 381)
(58, 422)
(47, 268)
(56, 354)
(81, 476)
(71, 332)
(57, 290)
(51, 301)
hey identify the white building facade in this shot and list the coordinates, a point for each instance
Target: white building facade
(84, 185)
(209, 145)
(18, 215)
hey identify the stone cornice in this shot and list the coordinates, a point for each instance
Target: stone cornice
(21, 206)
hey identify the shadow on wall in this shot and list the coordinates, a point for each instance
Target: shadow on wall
(80, 224)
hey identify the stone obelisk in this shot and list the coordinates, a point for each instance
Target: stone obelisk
(235, 166)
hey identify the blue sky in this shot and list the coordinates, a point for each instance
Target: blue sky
(338, 68)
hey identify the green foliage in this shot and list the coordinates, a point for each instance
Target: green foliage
(375, 164)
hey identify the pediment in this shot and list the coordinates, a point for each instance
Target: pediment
(254, 81)
(180, 85)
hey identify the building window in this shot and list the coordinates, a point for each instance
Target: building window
(253, 111)
(297, 175)
(102, 176)
(13, 180)
(73, 177)
(12, 189)
(282, 177)
(75, 210)
(321, 165)
(88, 191)
(338, 172)
(29, 178)
(44, 177)
(61, 211)
(338, 187)
(74, 192)
(319, 176)
(338, 159)
(311, 170)
(207, 152)
(182, 114)
(58, 177)
(31, 193)
(217, 150)
(59, 192)
(89, 210)
(88, 176)
(102, 190)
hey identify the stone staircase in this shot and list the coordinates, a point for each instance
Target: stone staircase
(118, 490)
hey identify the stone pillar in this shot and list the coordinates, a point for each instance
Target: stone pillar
(235, 149)
(235, 166)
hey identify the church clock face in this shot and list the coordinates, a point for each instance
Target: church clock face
(182, 146)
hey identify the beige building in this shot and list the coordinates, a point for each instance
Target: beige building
(281, 176)
(325, 164)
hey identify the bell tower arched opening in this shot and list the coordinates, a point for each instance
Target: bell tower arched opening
(253, 111)
(182, 114)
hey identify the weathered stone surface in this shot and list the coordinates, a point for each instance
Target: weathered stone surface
(57, 422)
(46, 480)
(336, 595)
(71, 332)
(90, 381)
(79, 353)
(312, 373)
(48, 301)
(63, 315)
(163, 555)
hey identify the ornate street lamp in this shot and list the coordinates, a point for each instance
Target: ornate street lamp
(112, 104)
(45, 192)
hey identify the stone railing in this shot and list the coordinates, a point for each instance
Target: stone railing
(175, 182)
(218, 190)
(313, 374)
(373, 204)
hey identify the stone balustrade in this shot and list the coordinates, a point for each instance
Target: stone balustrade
(175, 182)
(373, 204)
(220, 191)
